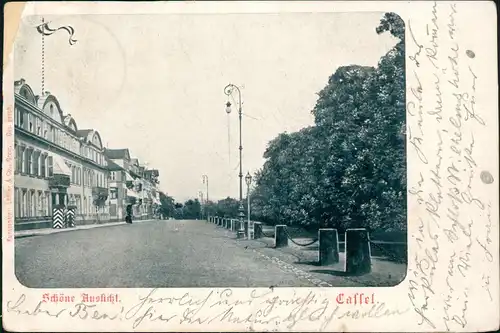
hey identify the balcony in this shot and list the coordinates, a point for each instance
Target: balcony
(59, 181)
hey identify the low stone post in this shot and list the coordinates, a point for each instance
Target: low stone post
(328, 246)
(225, 223)
(280, 237)
(357, 251)
(257, 230)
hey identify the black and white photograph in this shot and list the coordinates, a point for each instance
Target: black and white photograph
(250, 166)
(230, 156)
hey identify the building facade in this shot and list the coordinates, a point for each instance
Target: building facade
(55, 163)
(131, 184)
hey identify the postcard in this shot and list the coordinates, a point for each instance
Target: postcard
(250, 166)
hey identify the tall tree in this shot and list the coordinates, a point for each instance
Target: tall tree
(349, 169)
(167, 207)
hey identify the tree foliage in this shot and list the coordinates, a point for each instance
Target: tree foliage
(349, 169)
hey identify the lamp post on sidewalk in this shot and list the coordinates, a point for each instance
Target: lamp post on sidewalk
(228, 90)
(248, 179)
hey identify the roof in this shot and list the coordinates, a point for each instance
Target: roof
(83, 133)
(115, 154)
(112, 166)
(153, 172)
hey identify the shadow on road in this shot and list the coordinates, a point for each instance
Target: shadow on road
(333, 272)
(309, 263)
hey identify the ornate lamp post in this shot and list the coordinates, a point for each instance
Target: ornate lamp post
(248, 180)
(228, 90)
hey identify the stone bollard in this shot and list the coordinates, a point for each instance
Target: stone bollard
(357, 251)
(328, 246)
(257, 230)
(280, 237)
(229, 224)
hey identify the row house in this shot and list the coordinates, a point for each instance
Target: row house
(55, 163)
(131, 184)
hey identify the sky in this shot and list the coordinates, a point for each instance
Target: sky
(155, 83)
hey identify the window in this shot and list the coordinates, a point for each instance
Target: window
(16, 157)
(50, 166)
(113, 175)
(78, 200)
(47, 203)
(38, 126)
(17, 202)
(51, 108)
(19, 117)
(43, 161)
(113, 193)
(73, 174)
(35, 158)
(40, 209)
(51, 133)
(30, 123)
(24, 202)
(27, 160)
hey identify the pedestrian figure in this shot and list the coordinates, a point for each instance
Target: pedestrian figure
(128, 218)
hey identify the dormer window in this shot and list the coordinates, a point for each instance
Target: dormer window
(51, 108)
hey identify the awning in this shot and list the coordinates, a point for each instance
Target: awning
(60, 167)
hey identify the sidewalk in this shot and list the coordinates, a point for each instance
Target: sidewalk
(384, 273)
(49, 231)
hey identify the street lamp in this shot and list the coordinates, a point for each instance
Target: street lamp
(248, 180)
(228, 90)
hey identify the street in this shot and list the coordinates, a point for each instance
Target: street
(166, 253)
